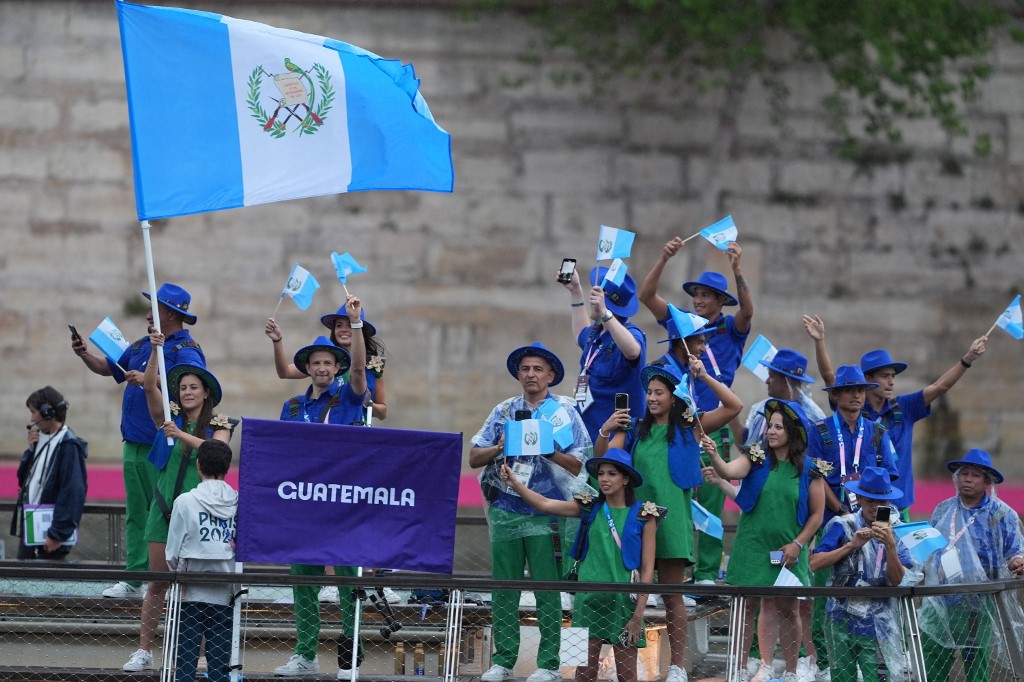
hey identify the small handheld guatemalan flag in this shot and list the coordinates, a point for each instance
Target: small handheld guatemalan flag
(614, 243)
(301, 286)
(109, 339)
(346, 265)
(529, 437)
(721, 233)
(1012, 320)
(761, 349)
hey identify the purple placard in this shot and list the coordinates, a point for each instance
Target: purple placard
(326, 495)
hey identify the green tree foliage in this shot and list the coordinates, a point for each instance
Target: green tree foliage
(889, 60)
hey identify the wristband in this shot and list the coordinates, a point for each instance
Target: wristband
(577, 305)
(798, 543)
(603, 434)
(277, 340)
(357, 325)
(966, 364)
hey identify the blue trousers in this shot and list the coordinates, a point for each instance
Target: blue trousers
(199, 620)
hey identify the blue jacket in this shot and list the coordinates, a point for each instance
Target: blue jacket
(64, 488)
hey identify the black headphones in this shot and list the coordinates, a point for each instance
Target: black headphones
(48, 412)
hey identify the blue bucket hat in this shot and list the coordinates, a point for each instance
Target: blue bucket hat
(790, 409)
(328, 320)
(660, 370)
(535, 349)
(175, 374)
(790, 363)
(850, 376)
(714, 281)
(673, 331)
(175, 298)
(877, 359)
(977, 458)
(619, 298)
(620, 458)
(874, 484)
(301, 358)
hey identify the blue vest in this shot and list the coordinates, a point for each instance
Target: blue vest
(753, 484)
(683, 457)
(631, 538)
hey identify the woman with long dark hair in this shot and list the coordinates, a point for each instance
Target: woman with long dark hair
(194, 392)
(666, 453)
(783, 499)
(614, 541)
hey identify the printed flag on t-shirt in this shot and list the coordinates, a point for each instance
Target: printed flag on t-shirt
(301, 286)
(761, 349)
(920, 539)
(529, 437)
(561, 423)
(614, 243)
(345, 265)
(721, 233)
(109, 339)
(686, 322)
(226, 113)
(705, 521)
(616, 273)
(1012, 320)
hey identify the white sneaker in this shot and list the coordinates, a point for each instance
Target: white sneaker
(806, 667)
(789, 677)
(497, 673)
(390, 596)
(123, 590)
(346, 673)
(675, 674)
(753, 665)
(689, 602)
(824, 674)
(543, 675)
(297, 666)
(655, 600)
(328, 594)
(139, 661)
(764, 673)
(705, 582)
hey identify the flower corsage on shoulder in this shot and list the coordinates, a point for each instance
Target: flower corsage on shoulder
(649, 510)
(821, 468)
(375, 363)
(175, 408)
(756, 454)
(222, 421)
(584, 498)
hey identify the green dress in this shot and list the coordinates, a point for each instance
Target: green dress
(767, 527)
(675, 531)
(156, 524)
(605, 613)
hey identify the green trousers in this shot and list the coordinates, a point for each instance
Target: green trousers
(819, 579)
(971, 630)
(849, 652)
(711, 497)
(307, 609)
(509, 556)
(139, 482)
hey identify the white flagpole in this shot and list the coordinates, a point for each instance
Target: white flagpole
(162, 364)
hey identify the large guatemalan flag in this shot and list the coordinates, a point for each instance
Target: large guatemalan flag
(227, 113)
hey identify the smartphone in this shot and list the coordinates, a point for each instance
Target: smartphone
(523, 415)
(621, 401)
(775, 558)
(74, 333)
(565, 272)
(883, 514)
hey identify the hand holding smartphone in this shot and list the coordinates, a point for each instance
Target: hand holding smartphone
(74, 333)
(565, 272)
(883, 516)
(775, 558)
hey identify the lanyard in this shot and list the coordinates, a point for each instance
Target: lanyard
(714, 363)
(954, 533)
(611, 526)
(323, 417)
(592, 353)
(842, 444)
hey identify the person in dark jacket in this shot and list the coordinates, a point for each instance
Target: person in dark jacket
(51, 477)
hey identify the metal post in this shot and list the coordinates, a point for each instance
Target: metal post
(452, 636)
(172, 624)
(908, 610)
(1010, 637)
(737, 623)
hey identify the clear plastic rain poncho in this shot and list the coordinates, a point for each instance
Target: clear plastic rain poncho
(982, 540)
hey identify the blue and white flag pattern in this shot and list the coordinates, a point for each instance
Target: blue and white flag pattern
(686, 322)
(301, 286)
(761, 349)
(614, 243)
(616, 274)
(345, 265)
(721, 233)
(227, 113)
(109, 339)
(552, 411)
(682, 391)
(705, 521)
(920, 539)
(1012, 320)
(529, 437)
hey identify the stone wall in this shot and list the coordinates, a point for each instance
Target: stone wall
(920, 255)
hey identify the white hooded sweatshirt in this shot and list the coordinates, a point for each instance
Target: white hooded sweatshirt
(201, 538)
